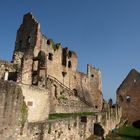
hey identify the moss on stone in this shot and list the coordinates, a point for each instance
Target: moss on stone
(67, 115)
(24, 114)
(54, 46)
(62, 97)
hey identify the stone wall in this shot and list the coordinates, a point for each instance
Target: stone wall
(67, 129)
(12, 115)
(74, 128)
(110, 118)
(37, 101)
(128, 96)
(64, 100)
(71, 109)
(30, 121)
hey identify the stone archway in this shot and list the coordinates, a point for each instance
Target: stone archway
(98, 130)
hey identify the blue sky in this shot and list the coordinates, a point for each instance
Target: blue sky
(104, 33)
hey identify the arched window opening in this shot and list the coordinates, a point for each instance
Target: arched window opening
(28, 40)
(98, 130)
(42, 59)
(64, 57)
(35, 78)
(75, 92)
(69, 54)
(96, 106)
(48, 42)
(128, 98)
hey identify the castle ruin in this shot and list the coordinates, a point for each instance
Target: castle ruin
(43, 79)
(36, 59)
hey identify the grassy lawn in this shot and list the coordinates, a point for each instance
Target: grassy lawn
(125, 133)
(67, 115)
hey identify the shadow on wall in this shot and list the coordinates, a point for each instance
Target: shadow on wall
(85, 97)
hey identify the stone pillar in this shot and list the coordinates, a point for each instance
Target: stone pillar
(6, 75)
(27, 71)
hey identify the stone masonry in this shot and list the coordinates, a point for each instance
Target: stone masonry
(128, 96)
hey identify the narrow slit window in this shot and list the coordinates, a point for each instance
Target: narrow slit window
(28, 40)
(69, 64)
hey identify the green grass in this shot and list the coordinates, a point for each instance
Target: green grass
(67, 115)
(125, 133)
(129, 132)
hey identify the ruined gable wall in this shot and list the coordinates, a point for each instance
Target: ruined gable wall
(130, 108)
(25, 40)
(128, 96)
(26, 35)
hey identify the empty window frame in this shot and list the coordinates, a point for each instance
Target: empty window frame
(69, 64)
(50, 56)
